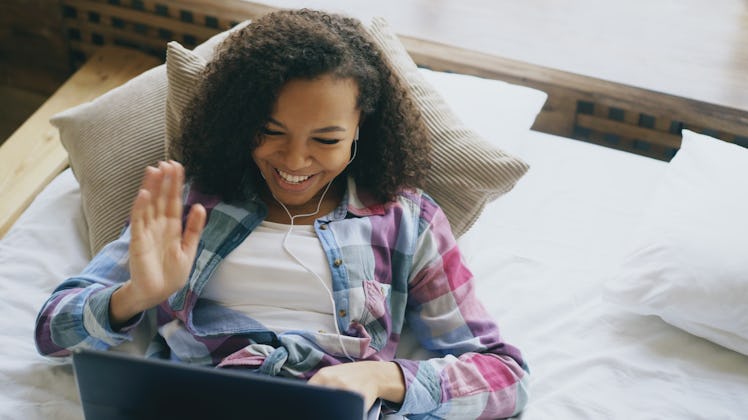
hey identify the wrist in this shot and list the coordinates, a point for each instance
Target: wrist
(391, 382)
(123, 305)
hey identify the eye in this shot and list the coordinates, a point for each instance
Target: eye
(326, 141)
(268, 132)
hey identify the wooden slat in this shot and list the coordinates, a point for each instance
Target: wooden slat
(107, 11)
(234, 10)
(154, 16)
(84, 47)
(174, 9)
(111, 34)
(557, 115)
(33, 155)
(662, 124)
(655, 137)
(629, 118)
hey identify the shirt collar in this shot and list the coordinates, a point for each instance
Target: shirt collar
(357, 201)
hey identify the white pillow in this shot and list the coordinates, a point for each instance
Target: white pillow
(690, 261)
(485, 104)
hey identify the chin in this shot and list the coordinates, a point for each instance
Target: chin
(294, 202)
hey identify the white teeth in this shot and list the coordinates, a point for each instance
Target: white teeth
(293, 179)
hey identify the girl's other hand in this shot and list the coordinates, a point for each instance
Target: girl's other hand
(372, 379)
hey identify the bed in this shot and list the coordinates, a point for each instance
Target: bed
(613, 323)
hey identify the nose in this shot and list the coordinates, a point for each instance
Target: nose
(296, 155)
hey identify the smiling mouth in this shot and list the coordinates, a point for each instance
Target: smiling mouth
(292, 179)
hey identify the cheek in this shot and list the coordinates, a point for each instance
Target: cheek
(339, 161)
(261, 152)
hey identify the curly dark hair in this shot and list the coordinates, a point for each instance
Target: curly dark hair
(222, 124)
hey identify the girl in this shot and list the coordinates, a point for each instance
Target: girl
(307, 244)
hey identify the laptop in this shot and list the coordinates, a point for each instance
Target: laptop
(122, 386)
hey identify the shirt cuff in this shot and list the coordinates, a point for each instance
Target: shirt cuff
(422, 389)
(96, 318)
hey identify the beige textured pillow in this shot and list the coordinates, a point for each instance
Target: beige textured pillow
(184, 71)
(467, 171)
(111, 140)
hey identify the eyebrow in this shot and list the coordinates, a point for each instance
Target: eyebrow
(328, 129)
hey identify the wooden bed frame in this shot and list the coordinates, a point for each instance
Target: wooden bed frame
(112, 41)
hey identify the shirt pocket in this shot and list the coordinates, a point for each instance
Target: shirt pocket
(376, 304)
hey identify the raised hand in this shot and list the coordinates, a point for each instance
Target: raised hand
(161, 253)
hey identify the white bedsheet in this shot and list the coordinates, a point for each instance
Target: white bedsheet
(46, 245)
(540, 255)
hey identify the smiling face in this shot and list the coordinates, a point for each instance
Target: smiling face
(307, 141)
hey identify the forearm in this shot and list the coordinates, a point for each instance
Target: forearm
(391, 383)
(49, 334)
(76, 315)
(480, 373)
(482, 385)
(77, 312)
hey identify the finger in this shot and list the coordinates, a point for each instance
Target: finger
(174, 200)
(139, 213)
(328, 380)
(193, 229)
(160, 197)
(151, 182)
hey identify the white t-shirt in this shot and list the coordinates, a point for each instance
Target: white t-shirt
(262, 280)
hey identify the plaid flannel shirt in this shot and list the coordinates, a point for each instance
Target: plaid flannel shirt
(391, 263)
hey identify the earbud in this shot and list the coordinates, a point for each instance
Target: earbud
(355, 147)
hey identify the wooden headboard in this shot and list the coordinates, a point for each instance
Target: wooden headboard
(134, 34)
(610, 114)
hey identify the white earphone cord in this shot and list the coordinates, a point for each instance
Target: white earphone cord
(298, 260)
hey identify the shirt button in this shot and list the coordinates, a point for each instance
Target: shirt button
(342, 313)
(323, 226)
(338, 262)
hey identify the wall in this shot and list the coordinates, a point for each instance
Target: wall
(34, 58)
